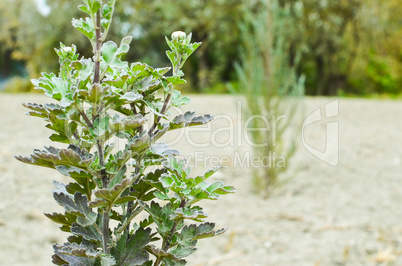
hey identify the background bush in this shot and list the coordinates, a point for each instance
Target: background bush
(272, 89)
(346, 47)
(18, 84)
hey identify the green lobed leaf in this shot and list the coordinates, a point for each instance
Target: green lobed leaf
(191, 213)
(73, 253)
(77, 204)
(191, 48)
(194, 232)
(169, 262)
(93, 5)
(116, 167)
(161, 216)
(107, 14)
(109, 197)
(138, 144)
(107, 260)
(85, 26)
(122, 123)
(188, 119)
(100, 127)
(176, 80)
(147, 87)
(217, 188)
(177, 167)
(154, 107)
(112, 54)
(75, 239)
(79, 250)
(52, 157)
(161, 196)
(166, 181)
(85, 68)
(172, 57)
(89, 233)
(130, 250)
(44, 111)
(161, 150)
(143, 190)
(82, 177)
(54, 87)
(121, 228)
(60, 258)
(94, 94)
(140, 70)
(161, 71)
(58, 261)
(45, 84)
(170, 44)
(132, 97)
(84, 8)
(198, 179)
(177, 100)
(159, 253)
(66, 220)
(152, 179)
(182, 252)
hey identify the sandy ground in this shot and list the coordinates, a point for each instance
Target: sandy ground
(349, 214)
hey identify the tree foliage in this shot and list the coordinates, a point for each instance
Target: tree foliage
(349, 46)
(340, 45)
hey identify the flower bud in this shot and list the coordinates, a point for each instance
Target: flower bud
(67, 49)
(180, 35)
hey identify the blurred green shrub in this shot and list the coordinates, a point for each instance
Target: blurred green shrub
(18, 84)
(271, 88)
(379, 72)
(217, 88)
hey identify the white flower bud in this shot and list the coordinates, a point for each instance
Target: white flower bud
(67, 49)
(180, 35)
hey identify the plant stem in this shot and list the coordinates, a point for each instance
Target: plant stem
(165, 104)
(105, 181)
(86, 119)
(97, 48)
(134, 110)
(130, 206)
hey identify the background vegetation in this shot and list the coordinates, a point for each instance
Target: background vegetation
(346, 46)
(271, 87)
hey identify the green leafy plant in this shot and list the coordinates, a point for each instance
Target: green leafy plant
(100, 101)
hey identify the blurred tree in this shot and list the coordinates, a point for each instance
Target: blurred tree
(38, 34)
(348, 45)
(378, 66)
(352, 46)
(330, 37)
(212, 22)
(9, 25)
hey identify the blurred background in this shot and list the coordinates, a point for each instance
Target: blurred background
(317, 214)
(346, 47)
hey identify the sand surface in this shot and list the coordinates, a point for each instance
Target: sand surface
(349, 214)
